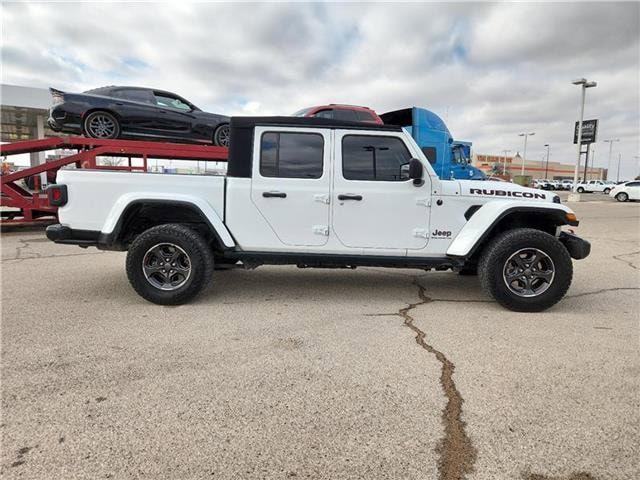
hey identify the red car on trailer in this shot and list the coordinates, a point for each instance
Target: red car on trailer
(336, 111)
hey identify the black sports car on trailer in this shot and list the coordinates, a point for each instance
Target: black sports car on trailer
(134, 112)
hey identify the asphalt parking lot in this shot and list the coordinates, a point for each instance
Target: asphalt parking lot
(288, 373)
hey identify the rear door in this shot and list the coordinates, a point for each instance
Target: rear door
(291, 182)
(375, 204)
(173, 116)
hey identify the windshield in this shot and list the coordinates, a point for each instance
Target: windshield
(301, 113)
(459, 155)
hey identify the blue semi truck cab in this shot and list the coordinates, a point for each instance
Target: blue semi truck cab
(451, 159)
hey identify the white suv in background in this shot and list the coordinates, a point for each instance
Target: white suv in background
(593, 186)
(626, 191)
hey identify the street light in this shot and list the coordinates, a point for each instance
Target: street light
(584, 85)
(524, 154)
(546, 168)
(610, 141)
(504, 167)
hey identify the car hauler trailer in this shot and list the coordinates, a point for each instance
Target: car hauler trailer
(26, 206)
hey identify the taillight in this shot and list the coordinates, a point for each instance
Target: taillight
(57, 195)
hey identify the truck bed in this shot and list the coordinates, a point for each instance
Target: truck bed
(110, 191)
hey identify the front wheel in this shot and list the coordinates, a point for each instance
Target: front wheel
(622, 197)
(606, 191)
(169, 264)
(526, 270)
(221, 136)
(101, 125)
(580, 190)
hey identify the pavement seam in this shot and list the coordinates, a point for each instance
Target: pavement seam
(457, 454)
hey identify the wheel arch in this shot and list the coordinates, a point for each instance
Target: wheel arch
(130, 217)
(491, 220)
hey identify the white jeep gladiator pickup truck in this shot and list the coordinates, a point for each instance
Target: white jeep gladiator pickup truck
(317, 192)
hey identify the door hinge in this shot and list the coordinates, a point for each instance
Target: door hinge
(321, 197)
(321, 230)
(420, 233)
(424, 201)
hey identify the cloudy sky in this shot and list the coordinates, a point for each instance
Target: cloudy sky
(490, 70)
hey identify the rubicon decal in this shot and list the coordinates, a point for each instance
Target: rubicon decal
(440, 234)
(506, 193)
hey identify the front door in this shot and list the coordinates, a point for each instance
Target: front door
(291, 182)
(375, 204)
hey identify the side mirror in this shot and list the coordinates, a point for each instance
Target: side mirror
(416, 171)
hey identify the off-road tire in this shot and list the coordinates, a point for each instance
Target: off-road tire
(622, 197)
(468, 271)
(501, 248)
(91, 132)
(580, 190)
(200, 260)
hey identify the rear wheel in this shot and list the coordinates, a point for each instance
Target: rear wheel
(169, 264)
(101, 125)
(526, 270)
(221, 136)
(606, 191)
(622, 197)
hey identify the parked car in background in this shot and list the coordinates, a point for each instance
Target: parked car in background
(542, 184)
(593, 186)
(134, 112)
(335, 111)
(626, 191)
(555, 184)
(566, 184)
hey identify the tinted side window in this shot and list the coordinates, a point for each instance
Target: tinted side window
(136, 95)
(430, 153)
(633, 184)
(291, 155)
(324, 114)
(342, 114)
(374, 158)
(363, 116)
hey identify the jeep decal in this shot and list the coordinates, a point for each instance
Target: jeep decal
(506, 193)
(440, 234)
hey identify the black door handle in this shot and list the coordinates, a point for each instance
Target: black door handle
(274, 194)
(350, 197)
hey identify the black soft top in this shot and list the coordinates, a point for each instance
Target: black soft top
(241, 140)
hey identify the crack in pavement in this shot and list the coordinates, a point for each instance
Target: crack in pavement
(26, 245)
(457, 454)
(617, 257)
(573, 476)
(603, 290)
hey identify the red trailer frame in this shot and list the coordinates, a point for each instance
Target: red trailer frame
(32, 207)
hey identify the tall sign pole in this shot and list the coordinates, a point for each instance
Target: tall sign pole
(577, 169)
(584, 85)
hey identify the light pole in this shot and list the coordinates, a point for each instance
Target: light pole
(524, 154)
(504, 166)
(546, 168)
(584, 85)
(618, 177)
(610, 141)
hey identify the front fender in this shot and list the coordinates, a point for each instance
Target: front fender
(488, 215)
(128, 199)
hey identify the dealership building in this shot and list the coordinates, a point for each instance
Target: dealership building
(493, 164)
